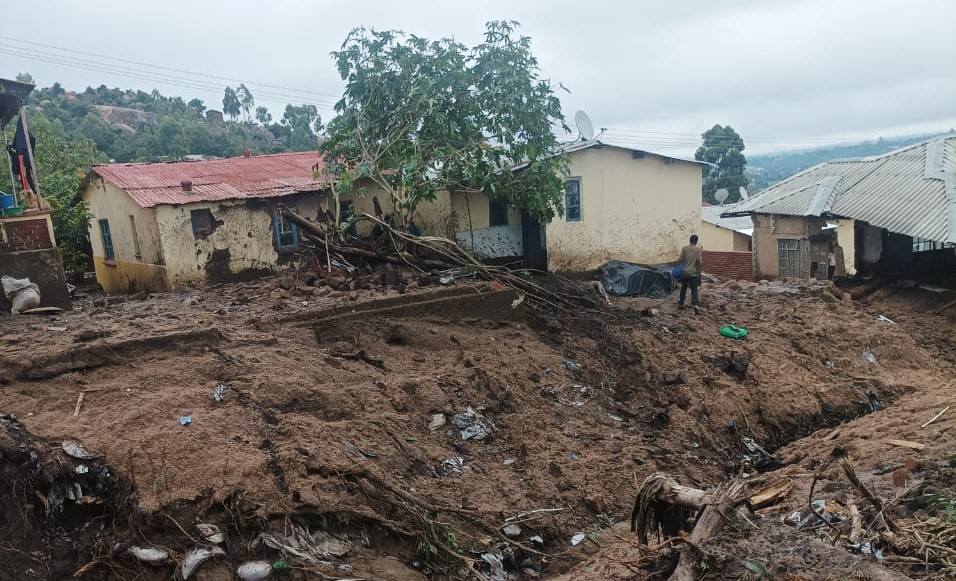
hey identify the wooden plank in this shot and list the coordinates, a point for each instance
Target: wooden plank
(905, 444)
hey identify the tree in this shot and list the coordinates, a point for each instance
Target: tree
(420, 116)
(246, 101)
(263, 116)
(304, 123)
(93, 127)
(25, 78)
(230, 103)
(722, 148)
(198, 105)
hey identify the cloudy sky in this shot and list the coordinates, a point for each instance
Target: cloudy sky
(786, 74)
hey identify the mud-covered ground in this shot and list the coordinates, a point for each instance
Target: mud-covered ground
(345, 412)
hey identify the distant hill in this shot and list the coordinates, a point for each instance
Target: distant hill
(766, 170)
(130, 125)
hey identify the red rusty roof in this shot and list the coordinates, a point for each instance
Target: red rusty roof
(261, 176)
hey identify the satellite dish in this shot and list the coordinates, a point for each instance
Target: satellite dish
(743, 193)
(721, 195)
(584, 125)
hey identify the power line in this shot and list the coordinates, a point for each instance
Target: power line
(155, 77)
(749, 138)
(280, 87)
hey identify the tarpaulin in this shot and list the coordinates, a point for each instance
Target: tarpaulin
(626, 279)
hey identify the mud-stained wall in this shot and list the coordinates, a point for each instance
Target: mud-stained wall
(634, 209)
(770, 228)
(493, 242)
(240, 244)
(138, 262)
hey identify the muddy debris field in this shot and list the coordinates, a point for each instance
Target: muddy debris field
(285, 430)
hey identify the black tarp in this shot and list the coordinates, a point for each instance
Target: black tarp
(626, 279)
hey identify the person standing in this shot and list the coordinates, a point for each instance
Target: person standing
(690, 259)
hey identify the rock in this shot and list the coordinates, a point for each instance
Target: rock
(900, 477)
(846, 298)
(673, 378)
(511, 530)
(140, 296)
(89, 335)
(285, 282)
(322, 291)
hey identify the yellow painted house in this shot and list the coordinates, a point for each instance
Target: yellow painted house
(157, 226)
(620, 203)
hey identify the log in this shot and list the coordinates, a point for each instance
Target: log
(708, 525)
(319, 236)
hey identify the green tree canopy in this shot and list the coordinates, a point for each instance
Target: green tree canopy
(231, 105)
(246, 102)
(60, 166)
(419, 116)
(723, 148)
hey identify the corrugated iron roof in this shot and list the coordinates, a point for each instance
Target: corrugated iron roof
(261, 176)
(581, 144)
(909, 191)
(712, 215)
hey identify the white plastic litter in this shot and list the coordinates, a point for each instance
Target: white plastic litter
(150, 555)
(210, 533)
(196, 557)
(577, 539)
(75, 449)
(254, 571)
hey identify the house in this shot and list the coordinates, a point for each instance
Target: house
(161, 225)
(27, 244)
(891, 212)
(620, 202)
(727, 243)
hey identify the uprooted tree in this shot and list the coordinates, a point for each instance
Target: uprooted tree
(421, 116)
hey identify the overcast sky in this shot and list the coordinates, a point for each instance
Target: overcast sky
(785, 74)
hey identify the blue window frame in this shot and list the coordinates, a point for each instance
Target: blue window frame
(286, 233)
(572, 200)
(108, 253)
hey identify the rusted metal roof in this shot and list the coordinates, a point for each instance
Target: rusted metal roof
(261, 176)
(909, 191)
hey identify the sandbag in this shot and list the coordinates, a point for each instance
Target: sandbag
(22, 294)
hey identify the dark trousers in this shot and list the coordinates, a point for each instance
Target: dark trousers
(694, 283)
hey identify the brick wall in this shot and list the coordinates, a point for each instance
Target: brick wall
(27, 235)
(736, 265)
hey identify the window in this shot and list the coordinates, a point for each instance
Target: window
(497, 213)
(793, 258)
(572, 200)
(925, 245)
(203, 222)
(108, 253)
(132, 229)
(287, 234)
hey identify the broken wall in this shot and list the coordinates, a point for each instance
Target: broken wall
(636, 209)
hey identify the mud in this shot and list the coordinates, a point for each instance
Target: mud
(328, 398)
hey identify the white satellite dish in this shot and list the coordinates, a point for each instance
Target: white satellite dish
(721, 195)
(584, 125)
(743, 193)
